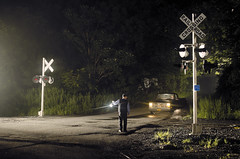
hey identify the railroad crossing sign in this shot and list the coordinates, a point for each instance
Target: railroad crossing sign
(43, 80)
(48, 65)
(192, 26)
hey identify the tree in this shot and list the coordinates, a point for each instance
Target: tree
(98, 57)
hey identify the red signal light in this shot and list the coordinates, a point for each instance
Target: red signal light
(36, 79)
(45, 79)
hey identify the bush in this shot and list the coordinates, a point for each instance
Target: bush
(236, 114)
(211, 108)
(60, 102)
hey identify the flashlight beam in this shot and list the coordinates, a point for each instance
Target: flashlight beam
(105, 106)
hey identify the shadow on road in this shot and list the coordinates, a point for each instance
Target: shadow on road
(139, 116)
(34, 142)
(139, 128)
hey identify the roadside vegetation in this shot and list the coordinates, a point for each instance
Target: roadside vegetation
(218, 145)
(60, 102)
(211, 107)
(102, 49)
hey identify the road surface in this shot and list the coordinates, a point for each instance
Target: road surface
(68, 137)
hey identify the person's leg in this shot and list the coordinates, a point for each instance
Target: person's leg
(120, 123)
(125, 123)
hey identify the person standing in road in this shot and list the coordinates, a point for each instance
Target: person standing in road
(123, 111)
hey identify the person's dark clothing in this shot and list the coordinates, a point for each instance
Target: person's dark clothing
(123, 111)
(124, 119)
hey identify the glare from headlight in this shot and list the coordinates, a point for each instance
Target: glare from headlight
(169, 105)
(150, 104)
(151, 116)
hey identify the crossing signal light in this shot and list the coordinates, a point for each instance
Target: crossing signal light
(45, 79)
(202, 50)
(36, 79)
(183, 51)
(48, 79)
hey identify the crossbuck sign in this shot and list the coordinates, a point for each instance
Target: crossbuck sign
(48, 65)
(192, 26)
(45, 66)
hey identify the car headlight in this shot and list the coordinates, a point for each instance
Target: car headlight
(150, 105)
(168, 105)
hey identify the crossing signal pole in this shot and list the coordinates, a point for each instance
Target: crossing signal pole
(192, 27)
(43, 80)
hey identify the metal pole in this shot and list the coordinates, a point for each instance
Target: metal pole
(43, 84)
(194, 41)
(196, 128)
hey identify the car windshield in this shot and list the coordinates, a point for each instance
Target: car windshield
(165, 96)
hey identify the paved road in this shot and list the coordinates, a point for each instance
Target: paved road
(68, 137)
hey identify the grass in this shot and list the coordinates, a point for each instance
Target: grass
(186, 141)
(163, 137)
(209, 143)
(212, 108)
(195, 144)
(236, 114)
(187, 148)
(226, 156)
(60, 102)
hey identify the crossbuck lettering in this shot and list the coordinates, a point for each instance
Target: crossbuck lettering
(192, 26)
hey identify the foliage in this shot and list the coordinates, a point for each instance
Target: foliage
(186, 141)
(226, 156)
(236, 114)
(163, 137)
(224, 40)
(225, 141)
(99, 58)
(213, 108)
(228, 88)
(60, 102)
(209, 143)
(188, 148)
(104, 47)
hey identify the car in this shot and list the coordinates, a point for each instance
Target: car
(167, 102)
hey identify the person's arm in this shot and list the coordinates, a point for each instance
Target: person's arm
(128, 108)
(116, 102)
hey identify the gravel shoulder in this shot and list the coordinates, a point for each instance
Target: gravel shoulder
(220, 139)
